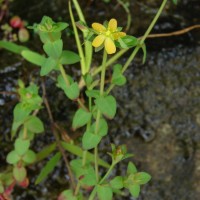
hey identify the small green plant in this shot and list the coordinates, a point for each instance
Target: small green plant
(92, 115)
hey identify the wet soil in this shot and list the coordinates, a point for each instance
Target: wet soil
(158, 114)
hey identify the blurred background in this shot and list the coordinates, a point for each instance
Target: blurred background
(158, 110)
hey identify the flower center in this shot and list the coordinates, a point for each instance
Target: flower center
(108, 33)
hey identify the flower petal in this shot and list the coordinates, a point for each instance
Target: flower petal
(98, 27)
(110, 46)
(112, 25)
(118, 35)
(98, 41)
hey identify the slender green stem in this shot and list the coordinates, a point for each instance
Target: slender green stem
(87, 44)
(153, 22)
(84, 157)
(132, 56)
(97, 121)
(110, 61)
(25, 133)
(77, 188)
(103, 73)
(96, 148)
(121, 52)
(130, 59)
(90, 103)
(78, 42)
(110, 88)
(102, 83)
(64, 75)
(82, 105)
(103, 68)
(79, 11)
(96, 166)
(93, 194)
(107, 174)
(125, 7)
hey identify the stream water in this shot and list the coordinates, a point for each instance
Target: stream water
(158, 115)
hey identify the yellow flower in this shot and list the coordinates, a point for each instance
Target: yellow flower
(107, 35)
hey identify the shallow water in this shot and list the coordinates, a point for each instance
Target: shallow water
(158, 110)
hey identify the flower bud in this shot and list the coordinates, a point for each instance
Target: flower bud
(16, 22)
(23, 35)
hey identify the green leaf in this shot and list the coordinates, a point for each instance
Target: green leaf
(49, 26)
(77, 167)
(67, 195)
(21, 112)
(61, 82)
(118, 78)
(19, 173)
(34, 124)
(119, 153)
(29, 135)
(7, 178)
(128, 155)
(69, 57)
(82, 26)
(53, 49)
(48, 66)
(144, 53)
(29, 157)
(72, 91)
(81, 118)
(12, 157)
(175, 2)
(92, 93)
(12, 47)
(44, 153)
(121, 44)
(76, 150)
(102, 128)
(48, 168)
(117, 183)
(21, 146)
(60, 26)
(131, 168)
(86, 174)
(88, 79)
(33, 57)
(134, 190)
(89, 178)
(107, 105)
(30, 98)
(46, 37)
(104, 192)
(90, 140)
(127, 41)
(142, 178)
(99, 48)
